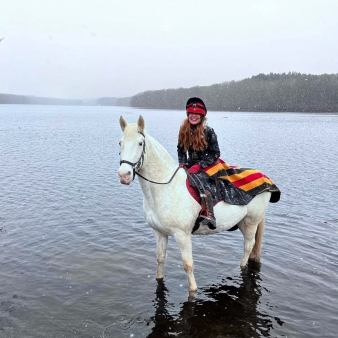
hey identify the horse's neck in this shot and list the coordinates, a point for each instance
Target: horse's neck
(158, 165)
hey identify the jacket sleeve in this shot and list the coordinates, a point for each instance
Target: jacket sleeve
(182, 155)
(212, 153)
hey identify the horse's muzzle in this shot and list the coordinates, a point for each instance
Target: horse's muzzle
(125, 177)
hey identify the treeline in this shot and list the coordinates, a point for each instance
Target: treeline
(53, 101)
(13, 99)
(286, 92)
(21, 99)
(113, 101)
(104, 101)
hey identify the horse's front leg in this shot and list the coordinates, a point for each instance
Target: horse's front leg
(184, 243)
(162, 243)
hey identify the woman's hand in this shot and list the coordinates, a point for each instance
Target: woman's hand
(194, 169)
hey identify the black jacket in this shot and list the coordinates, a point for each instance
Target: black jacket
(204, 158)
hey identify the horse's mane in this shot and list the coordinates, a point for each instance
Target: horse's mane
(131, 130)
(163, 152)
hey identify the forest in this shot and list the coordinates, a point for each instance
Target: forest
(286, 92)
(22, 99)
(102, 101)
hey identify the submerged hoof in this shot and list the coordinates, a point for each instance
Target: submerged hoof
(254, 263)
(191, 296)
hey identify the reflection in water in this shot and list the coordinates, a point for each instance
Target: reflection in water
(228, 310)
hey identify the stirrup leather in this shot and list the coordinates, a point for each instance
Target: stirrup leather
(207, 213)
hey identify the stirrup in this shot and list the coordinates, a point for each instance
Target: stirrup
(209, 221)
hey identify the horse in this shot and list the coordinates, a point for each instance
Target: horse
(169, 208)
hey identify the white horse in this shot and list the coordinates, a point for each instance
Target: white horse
(169, 208)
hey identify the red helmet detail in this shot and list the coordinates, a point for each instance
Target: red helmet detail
(196, 105)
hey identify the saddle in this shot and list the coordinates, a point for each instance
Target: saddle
(232, 184)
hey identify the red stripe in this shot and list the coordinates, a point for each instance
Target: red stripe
(195, 110)
(248, 179)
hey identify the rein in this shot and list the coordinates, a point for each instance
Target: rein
(137, 165)
(159, 182)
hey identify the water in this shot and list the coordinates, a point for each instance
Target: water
(78, 260)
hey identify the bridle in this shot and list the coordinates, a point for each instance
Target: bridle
(138, 165)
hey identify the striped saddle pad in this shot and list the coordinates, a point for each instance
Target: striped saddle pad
(251, 181)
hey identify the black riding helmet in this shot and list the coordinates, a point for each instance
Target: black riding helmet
(196, 105)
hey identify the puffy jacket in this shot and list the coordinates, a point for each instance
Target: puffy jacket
(204, 158)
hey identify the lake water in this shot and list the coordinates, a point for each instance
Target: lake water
(78, 259)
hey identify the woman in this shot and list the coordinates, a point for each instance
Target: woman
(198, 149)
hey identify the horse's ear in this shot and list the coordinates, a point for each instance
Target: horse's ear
(140, 124)
(123, 123)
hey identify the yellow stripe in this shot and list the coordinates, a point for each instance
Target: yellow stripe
(216, 168)
(254, 184)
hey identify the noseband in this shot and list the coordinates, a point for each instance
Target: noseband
(137, 165)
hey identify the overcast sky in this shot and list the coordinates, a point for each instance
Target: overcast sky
(95, 48)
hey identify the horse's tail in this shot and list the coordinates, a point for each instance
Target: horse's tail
(257, 249)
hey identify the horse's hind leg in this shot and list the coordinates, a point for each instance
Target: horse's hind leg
(162, 243)
(252, 227)
(256, 251)
(184, 243)
(248, 230)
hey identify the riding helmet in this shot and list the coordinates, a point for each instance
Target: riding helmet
(196, 105)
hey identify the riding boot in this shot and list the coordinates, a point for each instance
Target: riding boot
(207, 217)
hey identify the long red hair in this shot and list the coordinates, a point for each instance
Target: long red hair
(197, 139)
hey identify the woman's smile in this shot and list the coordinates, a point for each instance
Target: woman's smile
(194, 118)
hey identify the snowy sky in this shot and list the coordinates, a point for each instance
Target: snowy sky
(94, 48)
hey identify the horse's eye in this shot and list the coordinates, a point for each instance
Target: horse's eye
(120, 143)
(140, 144)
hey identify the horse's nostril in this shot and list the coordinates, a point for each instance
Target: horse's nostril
(124, 175)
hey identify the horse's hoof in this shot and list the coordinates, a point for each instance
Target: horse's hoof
(159, 280)
(254, 263)
(191, 296)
